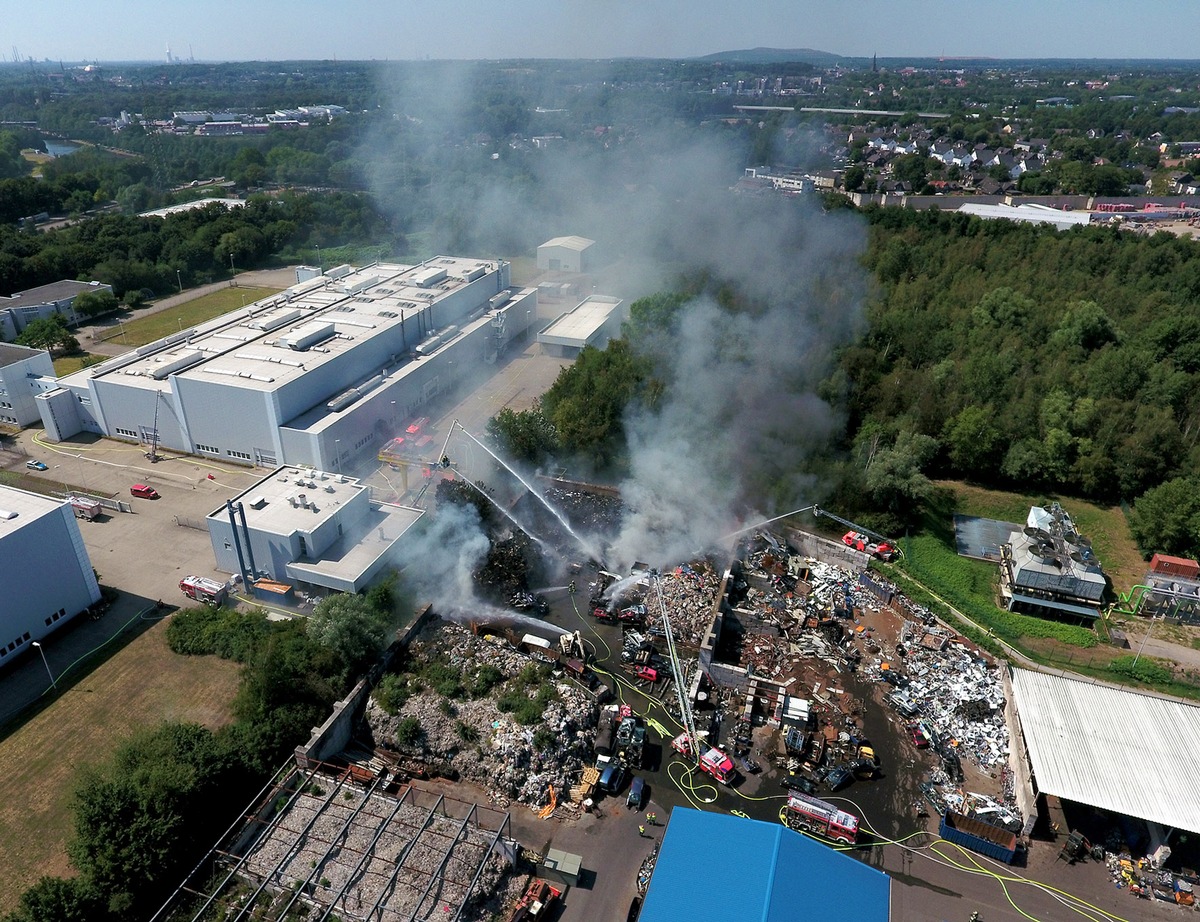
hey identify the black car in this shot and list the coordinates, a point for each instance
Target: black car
(801, 783)
(839, 777)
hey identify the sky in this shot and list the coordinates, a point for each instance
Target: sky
(220, 30)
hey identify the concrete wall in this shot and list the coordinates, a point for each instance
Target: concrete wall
(332, 736)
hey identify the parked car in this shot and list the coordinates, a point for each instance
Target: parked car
(637, 790)
(612, 779)
(144, 491)
(838, 778)
(35, 465)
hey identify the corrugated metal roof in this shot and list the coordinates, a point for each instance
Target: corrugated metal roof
(761, 872)
(1121, 750)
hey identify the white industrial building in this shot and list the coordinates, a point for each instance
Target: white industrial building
(21, 309)
(24, 373)
(1028, 214)
(565, 254)
(46, 578)
(312, 376)
(592, 322)
(1120, 750)
(309, 527)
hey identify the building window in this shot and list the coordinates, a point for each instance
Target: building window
(210, 449)
(237, 454)
(303, 547)
(129, 433)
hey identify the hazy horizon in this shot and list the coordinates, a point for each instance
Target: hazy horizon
(140, 31)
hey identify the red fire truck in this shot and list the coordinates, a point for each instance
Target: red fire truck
(713, 762)
(810, 814)
(202, 589)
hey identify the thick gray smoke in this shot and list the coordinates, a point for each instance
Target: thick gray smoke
(739, 412)
(439, 567)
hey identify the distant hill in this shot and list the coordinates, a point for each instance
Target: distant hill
(774, 55)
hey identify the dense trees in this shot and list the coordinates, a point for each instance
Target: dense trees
(1033, 358)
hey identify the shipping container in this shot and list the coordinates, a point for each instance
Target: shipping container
(978, 836)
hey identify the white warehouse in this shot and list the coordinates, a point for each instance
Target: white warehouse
(24, 373)
(316, 528)
(46, 577)
(308, 377)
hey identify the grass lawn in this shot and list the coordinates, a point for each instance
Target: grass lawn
(147, 329)
(69, 364)
(141, 685)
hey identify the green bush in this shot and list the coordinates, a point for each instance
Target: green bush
(221, 631)
(446, 706)
(466, 732)
(487, 678)
(444, 679)
(544, 738)
(1141, 669)
(391, 692)
(408, 731)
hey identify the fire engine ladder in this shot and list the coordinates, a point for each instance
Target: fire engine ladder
(681, 697)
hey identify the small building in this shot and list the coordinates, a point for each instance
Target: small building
(46, 577)
(24, 373)
(313, 528)
(21, 309)
(1172, 589)
(1048, 568)
(592, 322)
(565, 254)
(727, 867)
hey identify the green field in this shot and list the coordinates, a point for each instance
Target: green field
(151, 327)
(139, 686)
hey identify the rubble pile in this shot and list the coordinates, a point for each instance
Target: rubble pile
(689, 593)
(593, 513)
(323, 837)
(478, 740)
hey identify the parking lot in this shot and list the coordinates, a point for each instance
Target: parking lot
(143, 554)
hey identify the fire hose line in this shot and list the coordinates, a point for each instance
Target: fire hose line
(690, 789)
(1069, 900)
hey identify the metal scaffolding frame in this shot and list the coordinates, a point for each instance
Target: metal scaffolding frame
(363, 838)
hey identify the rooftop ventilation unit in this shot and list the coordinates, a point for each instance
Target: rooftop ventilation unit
(477, 273)
(274, 321)
(176, 364)
(308, 335)
(429, 278)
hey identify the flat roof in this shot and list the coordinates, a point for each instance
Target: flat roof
(1126, 751)
(11, 353)
(192, 206)
(17, 507)
(772, 877)
(571, 243)
(294, 499)
(278, 339)
(1060, 575)
(353, 554)
(55, 291)
(1034, 214)
(582, 322)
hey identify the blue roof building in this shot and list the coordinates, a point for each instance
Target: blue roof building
(716, 866)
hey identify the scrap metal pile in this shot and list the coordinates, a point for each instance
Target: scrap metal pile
(689, 593)
(477, 740)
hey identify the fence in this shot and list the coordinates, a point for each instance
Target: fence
(184, 521)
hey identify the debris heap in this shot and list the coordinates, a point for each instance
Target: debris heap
(474, 738)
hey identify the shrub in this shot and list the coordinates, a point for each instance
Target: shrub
(487, 678)
(220, 631)
(1141, 669)
(446, 706)
(466, 732)
(444, 679)
(544, 738)
(408, 732)
(391, 693)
